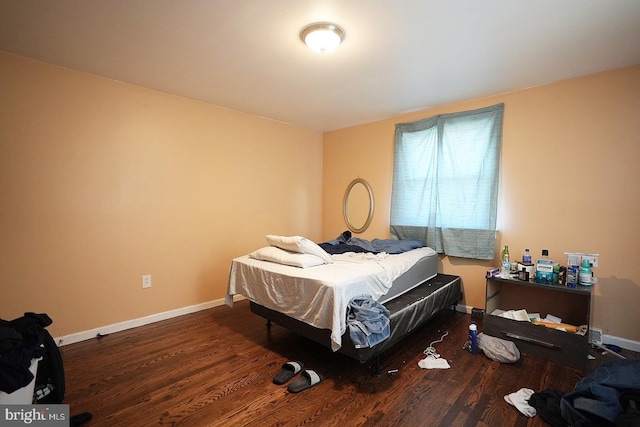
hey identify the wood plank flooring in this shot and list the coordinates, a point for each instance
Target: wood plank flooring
(215, 368)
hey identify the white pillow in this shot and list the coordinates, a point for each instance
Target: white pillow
(280, 256)
(299, 244)
(311, 248)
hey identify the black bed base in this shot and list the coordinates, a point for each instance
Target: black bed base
(408, 312)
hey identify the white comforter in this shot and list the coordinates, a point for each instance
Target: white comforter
(319, 295)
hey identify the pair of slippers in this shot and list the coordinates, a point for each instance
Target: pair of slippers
(307, 379)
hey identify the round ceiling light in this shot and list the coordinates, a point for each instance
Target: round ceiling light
(322, 37)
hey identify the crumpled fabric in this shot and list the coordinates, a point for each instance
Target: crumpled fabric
(432, 362)
(547, 405)
(597, 397)
(17, 354)
(520, 400)
(497, 349)
(346, 243)
(368, 321)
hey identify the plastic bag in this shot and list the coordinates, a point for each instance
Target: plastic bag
(497, 349)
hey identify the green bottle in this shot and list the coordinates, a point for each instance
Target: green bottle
(505, 272)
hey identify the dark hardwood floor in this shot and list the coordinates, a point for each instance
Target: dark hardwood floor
(215, 368)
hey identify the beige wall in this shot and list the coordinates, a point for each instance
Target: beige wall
(569, 182)
(102, 182)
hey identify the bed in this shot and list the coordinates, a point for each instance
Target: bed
(313, 301)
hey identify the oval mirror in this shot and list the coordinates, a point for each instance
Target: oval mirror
(357, 206)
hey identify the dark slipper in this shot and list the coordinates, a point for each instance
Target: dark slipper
(78, 420)
(288, 371)
(307, 380)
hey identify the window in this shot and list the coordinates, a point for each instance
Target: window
(445, 182)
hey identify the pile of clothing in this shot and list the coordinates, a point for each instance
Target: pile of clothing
(22, 340)
(609, 396)
(368, 321)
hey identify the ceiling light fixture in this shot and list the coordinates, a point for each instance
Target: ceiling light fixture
(322, 37)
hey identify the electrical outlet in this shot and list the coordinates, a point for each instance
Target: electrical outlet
(575, 258)
(593, 259)
(146, 281)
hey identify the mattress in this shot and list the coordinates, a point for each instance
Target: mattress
(319, 295)
(424, 269)
(408, 312)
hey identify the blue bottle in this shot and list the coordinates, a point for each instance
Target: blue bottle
(473, 338)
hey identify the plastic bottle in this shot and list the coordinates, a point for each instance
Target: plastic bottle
(473, 338)
(556, 274)
(506, 265)
(544, 269)
(526, 257)
(584, 274)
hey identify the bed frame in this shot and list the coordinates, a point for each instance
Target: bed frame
(409, 312)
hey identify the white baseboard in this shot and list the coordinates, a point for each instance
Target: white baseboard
(621, 342)
(463, 308)
(606, 339)
(134, 323)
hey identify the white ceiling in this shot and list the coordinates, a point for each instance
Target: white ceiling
(398, 55)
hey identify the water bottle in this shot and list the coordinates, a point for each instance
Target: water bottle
(526, 257)
(473, 338)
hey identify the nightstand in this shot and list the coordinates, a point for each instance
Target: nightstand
(572, 305)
